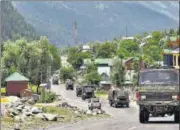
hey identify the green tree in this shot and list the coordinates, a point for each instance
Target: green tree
(66, 73)
(118, 72)
(93, 77)
(106, 50)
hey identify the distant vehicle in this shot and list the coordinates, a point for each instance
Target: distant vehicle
(55, 79)
(69, 84)
(158, 94)
(78, 91)
(86, 91)
(118, 97)
(94, 103)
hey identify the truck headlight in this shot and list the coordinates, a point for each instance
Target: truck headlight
(143, 97)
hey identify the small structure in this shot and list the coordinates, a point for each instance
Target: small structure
(171, 55)
(16, 83)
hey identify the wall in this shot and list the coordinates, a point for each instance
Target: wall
(14, 88)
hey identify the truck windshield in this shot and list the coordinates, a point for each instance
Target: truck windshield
(159, 77)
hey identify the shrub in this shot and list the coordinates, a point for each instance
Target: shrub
(50, 97)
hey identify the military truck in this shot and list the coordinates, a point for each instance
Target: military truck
(78, 91)
(87, 91)
(118, 97)
(158, 94)
(94, 103)
(55, 79)
(69, 84)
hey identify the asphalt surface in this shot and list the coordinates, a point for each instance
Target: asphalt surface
(122, 118)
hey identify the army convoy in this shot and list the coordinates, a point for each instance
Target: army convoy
(158, 94)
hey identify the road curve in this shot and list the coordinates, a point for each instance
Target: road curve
(122, 118)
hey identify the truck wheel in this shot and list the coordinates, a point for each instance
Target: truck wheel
(127, 105)
(83, 98)
(110, 103)
(143, 116)
(176, 117)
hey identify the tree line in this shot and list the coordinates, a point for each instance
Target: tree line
(32, 59)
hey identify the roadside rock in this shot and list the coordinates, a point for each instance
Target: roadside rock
(50, 117)
(89, 112)
(36, 110)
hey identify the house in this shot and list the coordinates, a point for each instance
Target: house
(128, 38)
(86, 48)
(105, 82)
(16, 83)
(171, 56)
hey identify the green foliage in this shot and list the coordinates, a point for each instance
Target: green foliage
(106, 50)
(30, 58)
(3, 91)
(14, 25)
(50, 97)
(75, 57)
(128, 48)
(93, 77)
(66, 73)
(118, 72)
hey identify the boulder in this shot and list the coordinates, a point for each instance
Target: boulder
(39, 115)
(36, 110)
(16, 104)
(50, 117)
(89, 112)
(17, 118)
(24, 99)
(27, 113)
(20, 107)
(94, 113)
(31, 101)
(99, 112)
(17, 127)
(64, 104)
(76, 112)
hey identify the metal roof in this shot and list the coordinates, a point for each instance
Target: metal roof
(16, 77)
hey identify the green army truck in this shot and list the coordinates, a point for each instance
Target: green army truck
(158, 94)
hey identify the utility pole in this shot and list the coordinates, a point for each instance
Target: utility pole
(75, 33)
(126, 32)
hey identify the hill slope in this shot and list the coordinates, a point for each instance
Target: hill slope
(14, 25)
(97, 20)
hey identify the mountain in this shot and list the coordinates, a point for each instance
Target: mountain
(97, 20)
(14, 25)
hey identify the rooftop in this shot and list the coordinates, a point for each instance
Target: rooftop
(16, 77)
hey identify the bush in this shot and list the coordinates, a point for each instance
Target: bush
(50, 97)
(3, 91)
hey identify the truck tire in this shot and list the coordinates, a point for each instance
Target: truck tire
(143, 116)
(127, 105)
(176, 117)
(83, 98)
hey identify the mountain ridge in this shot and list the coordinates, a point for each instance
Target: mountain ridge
(96, 20)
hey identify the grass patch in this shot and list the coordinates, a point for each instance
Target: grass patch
(3, 90)
(68, 114)
(102, 94)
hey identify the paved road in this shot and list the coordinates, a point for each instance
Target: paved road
(122, 118)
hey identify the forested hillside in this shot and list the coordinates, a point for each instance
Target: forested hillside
(14, 25)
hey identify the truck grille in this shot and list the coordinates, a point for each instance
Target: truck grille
(159, 96)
